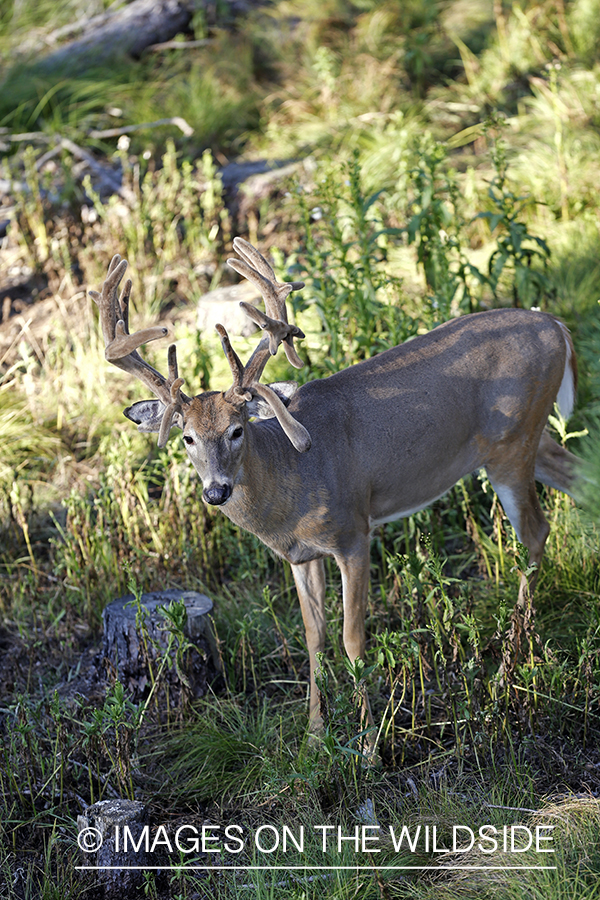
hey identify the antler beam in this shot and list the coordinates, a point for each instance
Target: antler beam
(256, 269)
(121, 346)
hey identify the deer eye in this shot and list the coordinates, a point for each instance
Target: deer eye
(237, 433)
(189, 440)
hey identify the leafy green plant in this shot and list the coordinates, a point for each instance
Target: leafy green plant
(121, 720)
(158, 658)
(342, 261)
(518, 253)
(436, 228)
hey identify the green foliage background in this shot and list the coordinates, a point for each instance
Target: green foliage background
(440, 157)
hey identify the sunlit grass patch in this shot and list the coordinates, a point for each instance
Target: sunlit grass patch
(27, 442)
(563, 863)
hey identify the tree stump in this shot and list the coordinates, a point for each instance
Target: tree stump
(148, 657)
(102, 838)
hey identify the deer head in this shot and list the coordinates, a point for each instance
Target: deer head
(214, 423)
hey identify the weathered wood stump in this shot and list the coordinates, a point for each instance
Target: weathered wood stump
(103, 842)
(147, 655)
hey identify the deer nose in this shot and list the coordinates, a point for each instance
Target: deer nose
(216, 494)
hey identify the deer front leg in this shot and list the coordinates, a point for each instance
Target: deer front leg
(310, 584)
(355, 589)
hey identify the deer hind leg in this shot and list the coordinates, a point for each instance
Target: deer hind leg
(555, 466)
(521, 504)
(310, 584)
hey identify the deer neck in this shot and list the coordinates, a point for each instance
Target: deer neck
(265, 496)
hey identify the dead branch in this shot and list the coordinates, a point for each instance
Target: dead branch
(180, 45)
(180, 123)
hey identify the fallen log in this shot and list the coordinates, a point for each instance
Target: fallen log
(130, 29)
(126, 31)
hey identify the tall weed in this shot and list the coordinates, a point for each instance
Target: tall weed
(342, 260)
(171, 224)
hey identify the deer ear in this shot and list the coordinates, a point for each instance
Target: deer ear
(148, 415)
(262, 409)
(295, 431)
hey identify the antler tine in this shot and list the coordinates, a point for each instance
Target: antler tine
(279, 333)
(265, 285)
(256, 260)
(295, 431)
(253, 257)
(121, 346)
(174, 407)
(235, 363)
(117, 258)
(123, 305)
(257, 362)
(172, 363)
(256, 269)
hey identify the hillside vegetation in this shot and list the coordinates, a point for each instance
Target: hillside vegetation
(410, 162)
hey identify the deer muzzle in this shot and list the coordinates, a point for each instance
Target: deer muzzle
(216, 494)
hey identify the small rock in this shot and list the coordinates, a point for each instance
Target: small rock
(222, 306)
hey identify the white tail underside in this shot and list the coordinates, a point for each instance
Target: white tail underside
(566, 395)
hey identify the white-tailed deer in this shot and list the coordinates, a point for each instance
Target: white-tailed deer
(312, 471)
